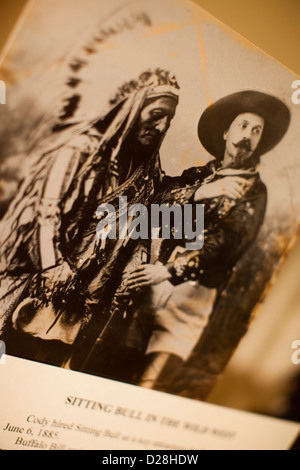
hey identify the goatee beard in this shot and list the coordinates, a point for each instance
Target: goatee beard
(243, 161)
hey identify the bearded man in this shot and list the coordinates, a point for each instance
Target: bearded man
(237, 130)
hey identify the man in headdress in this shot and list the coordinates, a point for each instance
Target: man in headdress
(53, 271)
(237, 130)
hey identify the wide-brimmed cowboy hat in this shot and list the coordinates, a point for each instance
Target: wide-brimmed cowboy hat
(218, 117)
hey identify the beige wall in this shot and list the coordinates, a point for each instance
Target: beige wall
(272, 25)
(9, 12)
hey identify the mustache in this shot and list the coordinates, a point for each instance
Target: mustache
(244, 144)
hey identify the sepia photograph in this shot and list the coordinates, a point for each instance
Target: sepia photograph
(149, 190)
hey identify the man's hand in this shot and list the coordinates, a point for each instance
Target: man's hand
(58, 275)
(147, 275)
(52, 281)
(233, 187)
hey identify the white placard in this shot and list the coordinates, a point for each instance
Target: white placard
(44, 407)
